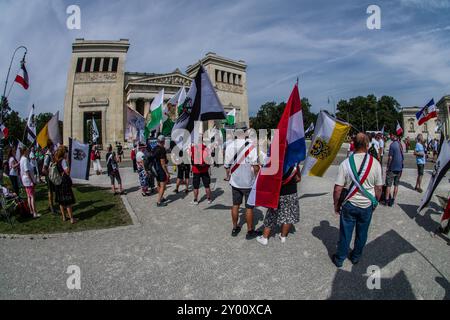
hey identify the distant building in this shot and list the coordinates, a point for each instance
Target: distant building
(411, 126)
(431, 128)
(99, 89)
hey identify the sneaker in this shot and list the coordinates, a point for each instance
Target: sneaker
(36, 215)
(334, 259)
(194, 202)
(164, 200)
(391, 202)
(262, 240)
(176, 191)
(235, 231)
(282, 239)
(161, 204)
(252, 234)
(209, 201)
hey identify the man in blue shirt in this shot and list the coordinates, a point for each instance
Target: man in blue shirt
(420, 154)
(394, 169)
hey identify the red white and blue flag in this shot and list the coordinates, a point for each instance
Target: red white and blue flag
(398, 129)
(287, 150)
(22, 76)
(426, 113)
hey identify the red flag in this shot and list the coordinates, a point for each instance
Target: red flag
(399, 129)
(3, 132)
(22, 76)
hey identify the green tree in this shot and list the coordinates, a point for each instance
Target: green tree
(41, 120)
(369, 113)
(269, 115)
(16, 126)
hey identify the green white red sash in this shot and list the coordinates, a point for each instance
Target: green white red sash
(357, 183)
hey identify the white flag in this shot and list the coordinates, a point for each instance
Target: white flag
(95, 133)
(80, 160)
(31, 126)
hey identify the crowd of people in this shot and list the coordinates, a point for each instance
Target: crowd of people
(359, 185)
(25, 169)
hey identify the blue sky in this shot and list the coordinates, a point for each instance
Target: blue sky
(325, 43)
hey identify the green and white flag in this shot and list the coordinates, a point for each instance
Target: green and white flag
(178, 99)
(231, 117)
(156, 114)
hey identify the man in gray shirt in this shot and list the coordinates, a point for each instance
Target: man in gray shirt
(394, 169)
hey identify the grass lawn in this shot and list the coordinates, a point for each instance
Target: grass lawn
(96, 208)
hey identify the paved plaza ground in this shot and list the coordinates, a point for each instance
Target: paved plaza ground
(184, 251)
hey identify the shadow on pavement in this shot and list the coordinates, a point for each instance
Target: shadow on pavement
(329, 236)
(407, 185)
(424, 221)
(380, 252)
(132, 189)
(444, 284)
(312, 195)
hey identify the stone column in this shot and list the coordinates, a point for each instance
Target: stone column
(146, 108)
(104, 137)
(132, 104)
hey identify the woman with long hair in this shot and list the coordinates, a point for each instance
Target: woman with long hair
(64, 194)
(28, 180)
(13, 170)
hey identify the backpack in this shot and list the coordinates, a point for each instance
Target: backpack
(373, 151)
(54, 175)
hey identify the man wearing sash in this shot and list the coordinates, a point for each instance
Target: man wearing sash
(357, 189)
(241, 159)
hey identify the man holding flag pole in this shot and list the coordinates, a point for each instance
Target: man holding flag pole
(276, 185)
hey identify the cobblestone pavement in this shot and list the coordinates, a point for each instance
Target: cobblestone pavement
(186, 252)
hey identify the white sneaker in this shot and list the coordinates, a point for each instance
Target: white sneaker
(210, 201)
(262, 240)
(195, 202)
(282, 239)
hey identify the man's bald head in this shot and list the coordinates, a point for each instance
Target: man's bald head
(361, 142)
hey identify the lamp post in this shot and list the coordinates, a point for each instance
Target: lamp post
(3, 100)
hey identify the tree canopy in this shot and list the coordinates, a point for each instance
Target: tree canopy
(362, 112)
(270, 114)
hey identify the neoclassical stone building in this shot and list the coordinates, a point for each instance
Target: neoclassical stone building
(99, 88)
(411, 127)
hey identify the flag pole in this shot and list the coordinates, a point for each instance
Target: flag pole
(2, 101)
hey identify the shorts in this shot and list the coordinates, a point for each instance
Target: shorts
(161, 175)
(238, 195)
(183, 171)
(393, 177)
(115, 175)
(30, 191)
(206, 179)
(420, 169)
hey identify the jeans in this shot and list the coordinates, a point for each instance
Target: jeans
(351, 217)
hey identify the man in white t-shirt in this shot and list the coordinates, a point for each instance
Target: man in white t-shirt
(375, 144)
(241, 158)
(358, 206)
(380, 140)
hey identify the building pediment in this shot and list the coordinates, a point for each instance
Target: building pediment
(175, 79)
